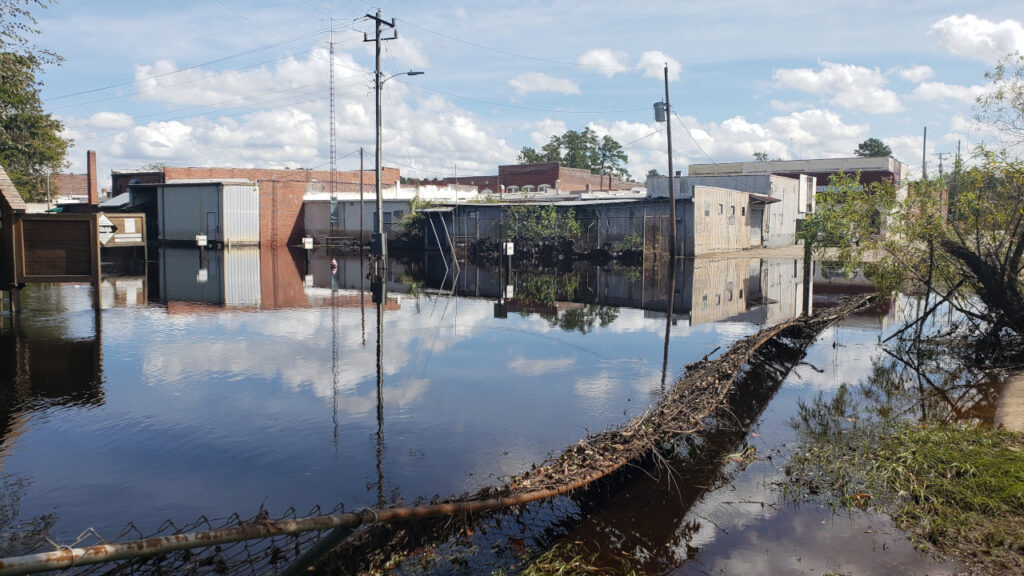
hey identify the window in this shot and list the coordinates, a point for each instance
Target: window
(543, 188)
(528, 188)
(732, 210)
(718, 299)
(512, 189)
(707, 208)
(398, 214)
(720, 209)
(743, 210)
(704, 302)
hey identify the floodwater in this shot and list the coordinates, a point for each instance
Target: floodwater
(215, 383)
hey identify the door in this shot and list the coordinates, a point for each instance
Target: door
(212, 227)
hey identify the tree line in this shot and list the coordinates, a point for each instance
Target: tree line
(585, 150)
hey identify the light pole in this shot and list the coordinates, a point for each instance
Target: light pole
(379, 245)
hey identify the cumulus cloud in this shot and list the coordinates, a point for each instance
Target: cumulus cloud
(788, 106)
(851, 86)
(942, 91)
(813, 133)
(539, 82)
(977, 38)
(916, 74)
(653, 65)
(604, 61)
(542, 131)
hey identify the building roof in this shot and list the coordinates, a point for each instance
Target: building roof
(9, 193)
(849, 164)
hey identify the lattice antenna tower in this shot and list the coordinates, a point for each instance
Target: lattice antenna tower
(334, 144)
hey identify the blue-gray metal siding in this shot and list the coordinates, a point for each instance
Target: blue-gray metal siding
(183, 211)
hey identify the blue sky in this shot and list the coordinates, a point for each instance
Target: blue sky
(232, 83)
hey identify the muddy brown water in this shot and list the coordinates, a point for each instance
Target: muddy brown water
(216, 383)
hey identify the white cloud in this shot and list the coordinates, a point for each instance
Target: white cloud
(605, 61)
(943, 91)
(788, 106)
(539, 82)
(850, 86)
(535, 367)
(979, 39)
(653, 65)
(408, 52)
(544, 130)
(916, 74)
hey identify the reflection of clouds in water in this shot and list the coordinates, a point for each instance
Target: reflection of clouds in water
(848, 362)
(535, 367)
(630, 320)
(398, 395)
(598, 386)
(294, 346)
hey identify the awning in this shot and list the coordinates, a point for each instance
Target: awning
(763, 199)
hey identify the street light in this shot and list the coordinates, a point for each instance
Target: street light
(379, 245)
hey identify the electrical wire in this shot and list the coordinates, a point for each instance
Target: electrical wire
(743, 185)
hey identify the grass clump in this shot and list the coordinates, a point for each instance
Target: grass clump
(957, 489)
(571, 559)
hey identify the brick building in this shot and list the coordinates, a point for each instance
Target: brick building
(281, 191)
(512, 178)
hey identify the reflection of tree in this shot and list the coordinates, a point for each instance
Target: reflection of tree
(546, 288)
(583, 319)
(18, 537)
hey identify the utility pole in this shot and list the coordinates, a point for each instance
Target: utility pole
(941, 156)
(924, 156)
(361, 208)
(379, 247)
(666, 109)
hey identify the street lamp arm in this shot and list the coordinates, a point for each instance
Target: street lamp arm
(409, 73)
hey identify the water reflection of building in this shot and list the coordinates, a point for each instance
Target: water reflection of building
(706, 289)
(189, 280)
(42, 365)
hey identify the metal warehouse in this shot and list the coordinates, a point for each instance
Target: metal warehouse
(227, 212)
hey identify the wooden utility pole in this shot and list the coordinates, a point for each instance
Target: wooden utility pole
(361, 208)
(924, 156)
(379, 249)
(671, 174)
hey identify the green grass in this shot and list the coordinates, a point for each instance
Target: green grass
(959, 490)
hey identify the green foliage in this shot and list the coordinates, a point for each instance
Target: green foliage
(580, 150)
(760, 156)
(31, 144)
(546, 288)
(584, 319)
(536, 221)
(847, 216)
(653, 173)
(414, 223)
(960, 489)
(872, 147)
(17, 25)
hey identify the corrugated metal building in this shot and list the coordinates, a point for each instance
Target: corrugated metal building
(227, 212)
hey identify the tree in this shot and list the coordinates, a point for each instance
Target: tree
(760, 156)
(872, 147)
(653, 173)
(580, 150)
(1002, 107)
(31, 145)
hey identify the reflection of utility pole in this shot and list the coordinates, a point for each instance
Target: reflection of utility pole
(380, 403)
(668, 320)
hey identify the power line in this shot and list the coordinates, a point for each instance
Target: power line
(706, 155)
(552, 110)
(192, 67)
